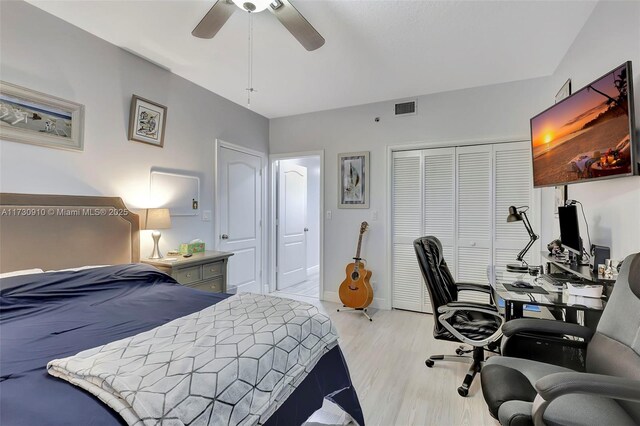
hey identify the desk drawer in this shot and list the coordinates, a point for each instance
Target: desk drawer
(213, 286)
(188, 275)
(213, 269)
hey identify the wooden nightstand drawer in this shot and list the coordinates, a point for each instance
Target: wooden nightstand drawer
(214, 286)
(188, 275)
(213, 269)
(205, 271)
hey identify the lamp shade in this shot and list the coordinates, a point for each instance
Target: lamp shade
(155, 219)
(514, 215)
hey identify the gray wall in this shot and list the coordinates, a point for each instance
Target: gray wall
(44, 53)
(481, 114)
(610, 37)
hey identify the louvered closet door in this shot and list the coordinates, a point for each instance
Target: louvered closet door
(406, 219)
(474, 218)
(439, 199)
(513, 187)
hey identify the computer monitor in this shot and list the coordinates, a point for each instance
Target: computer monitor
(570, 230)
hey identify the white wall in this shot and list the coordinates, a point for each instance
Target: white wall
(610, 37)
(313, 207)
(44, 53)
(482, 114)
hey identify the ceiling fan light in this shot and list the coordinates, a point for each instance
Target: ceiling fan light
(253, 6)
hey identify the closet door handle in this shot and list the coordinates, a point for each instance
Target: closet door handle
(224, 236)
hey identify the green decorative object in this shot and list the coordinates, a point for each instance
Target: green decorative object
(190, 248)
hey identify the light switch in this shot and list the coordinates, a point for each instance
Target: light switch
(206, 215)
(328, 214)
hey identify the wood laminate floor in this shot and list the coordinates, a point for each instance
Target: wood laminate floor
(308, 288)
(386, 360)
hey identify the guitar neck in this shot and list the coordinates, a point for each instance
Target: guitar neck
(359, 246)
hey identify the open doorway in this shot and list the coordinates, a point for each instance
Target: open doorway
(297, 199)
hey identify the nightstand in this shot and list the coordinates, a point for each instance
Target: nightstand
(203, 271)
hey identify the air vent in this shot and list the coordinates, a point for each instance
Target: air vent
(406, 108)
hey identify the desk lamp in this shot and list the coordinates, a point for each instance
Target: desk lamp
(155, 219)
(517, 214)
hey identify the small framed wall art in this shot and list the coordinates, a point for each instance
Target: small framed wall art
(564, 92)
(147, 121)
(353, 180)
(36, 118)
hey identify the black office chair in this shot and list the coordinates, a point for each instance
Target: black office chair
(475, 324)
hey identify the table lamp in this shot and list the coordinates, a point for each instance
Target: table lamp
(155, 219)
(517, 214)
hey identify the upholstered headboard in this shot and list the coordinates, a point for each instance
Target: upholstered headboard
(64, 231)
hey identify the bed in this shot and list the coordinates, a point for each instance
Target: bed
(44, 316)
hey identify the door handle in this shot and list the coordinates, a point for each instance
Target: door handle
(224, 236)
(306, 229)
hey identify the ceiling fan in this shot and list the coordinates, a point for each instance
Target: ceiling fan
(288, 15)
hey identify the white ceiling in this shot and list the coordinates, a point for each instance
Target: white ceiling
(374, 51)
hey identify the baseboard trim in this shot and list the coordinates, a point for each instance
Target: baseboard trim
(313, 270)
(332, 296)
(248, 288)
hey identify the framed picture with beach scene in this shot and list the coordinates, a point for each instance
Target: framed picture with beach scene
(147, 121)
(32, 117)
(353, 180)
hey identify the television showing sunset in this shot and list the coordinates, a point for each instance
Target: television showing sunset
(585, 136)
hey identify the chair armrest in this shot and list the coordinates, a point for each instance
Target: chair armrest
(469, 306)
(554, 385)
(483, 288)
(521, 325)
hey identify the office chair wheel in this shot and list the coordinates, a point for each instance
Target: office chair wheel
(429, 363)
(463, 391)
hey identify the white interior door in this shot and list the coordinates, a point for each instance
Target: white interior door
(475, 216)
(240, 198)
(460, 195)
(439, 208)
(407, 286)
(292, 225)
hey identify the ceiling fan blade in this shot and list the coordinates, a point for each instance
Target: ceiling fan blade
(297, 25)
(214, 19)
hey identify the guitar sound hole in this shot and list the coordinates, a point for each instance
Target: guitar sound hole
(355, 276)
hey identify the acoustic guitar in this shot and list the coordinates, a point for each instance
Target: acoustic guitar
(356, 291)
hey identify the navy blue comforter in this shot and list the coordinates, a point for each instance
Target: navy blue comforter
(55, 315)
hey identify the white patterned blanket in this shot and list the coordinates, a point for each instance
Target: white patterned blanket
(233, 363)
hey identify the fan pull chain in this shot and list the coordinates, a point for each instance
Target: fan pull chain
(250, 88)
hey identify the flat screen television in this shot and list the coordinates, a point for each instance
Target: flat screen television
(589, 135)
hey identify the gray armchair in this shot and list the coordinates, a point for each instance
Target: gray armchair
(522, 392)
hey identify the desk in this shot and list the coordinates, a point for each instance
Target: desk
(514, 301)
(582, 271)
